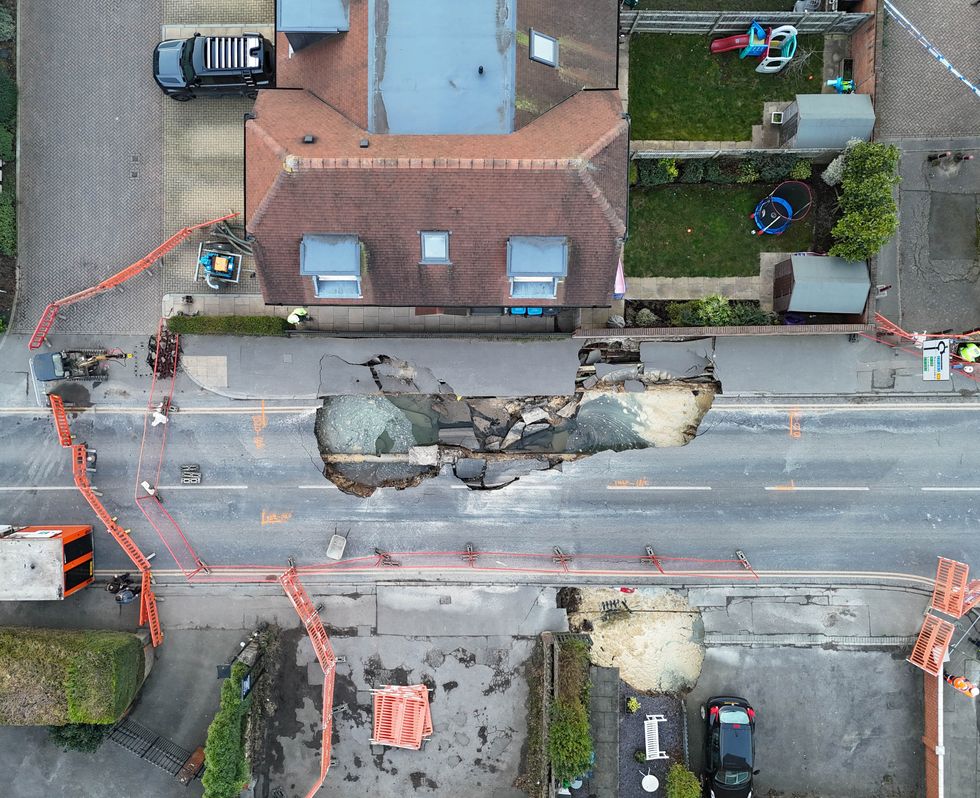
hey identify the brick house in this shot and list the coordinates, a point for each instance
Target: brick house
(440, 154)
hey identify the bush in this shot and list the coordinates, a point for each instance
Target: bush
(8, 100)
(716, 311)
(802, 170)
(85, 737)
(692, 170)
(717, 170)
(226, 325)
(773, 167)
(646, 318)
(8, 28)
(632, 705)
(53, 677)
(834, 172)
(640, 755)
(8, 229)
(7, 150)
(656, 173)
(681, 783)
(226, 768)
(747, 172)
(869, 214)
(569, 740)
(634, 173)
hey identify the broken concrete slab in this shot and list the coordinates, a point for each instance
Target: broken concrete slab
(470, 467)
(503, 472)
(534, 415)
(423, 455)
(679, 358)
(634, 386)
(513, 435)
(531, 429)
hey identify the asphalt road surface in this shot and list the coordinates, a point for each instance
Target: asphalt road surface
(865, 489)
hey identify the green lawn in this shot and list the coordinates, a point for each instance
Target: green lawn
(720, 243)
(678, 90)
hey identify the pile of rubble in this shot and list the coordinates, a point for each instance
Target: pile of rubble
(502, 425)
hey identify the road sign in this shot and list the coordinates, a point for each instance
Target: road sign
(935, 360)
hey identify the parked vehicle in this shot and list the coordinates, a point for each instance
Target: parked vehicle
(214, 66)
(729, 747)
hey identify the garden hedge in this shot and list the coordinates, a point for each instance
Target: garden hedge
(53, 677)
(226, 768)
(228, 325)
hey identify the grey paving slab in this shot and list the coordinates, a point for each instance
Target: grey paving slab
(90, 163)
(453, 611)
(916, 96)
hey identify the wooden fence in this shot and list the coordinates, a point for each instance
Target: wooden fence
(719, 22)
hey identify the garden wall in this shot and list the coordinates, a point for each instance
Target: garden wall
(672, 333)
(863, 49)
(707, 149)
(718, 22)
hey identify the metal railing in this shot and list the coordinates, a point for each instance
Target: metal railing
(719, 22)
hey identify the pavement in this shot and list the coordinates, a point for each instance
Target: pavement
(933, 263)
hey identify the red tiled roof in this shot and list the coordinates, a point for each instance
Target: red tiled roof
(563, 174)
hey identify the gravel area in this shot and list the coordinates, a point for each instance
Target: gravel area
(631, 738)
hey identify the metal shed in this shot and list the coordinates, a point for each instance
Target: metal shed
(305, 22)
(826, 121)
(821, 284)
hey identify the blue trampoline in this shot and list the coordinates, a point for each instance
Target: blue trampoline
(789, 202)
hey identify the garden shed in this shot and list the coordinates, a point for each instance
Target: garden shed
(821, 284)
(826, 121)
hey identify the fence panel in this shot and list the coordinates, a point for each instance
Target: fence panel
(721, 22)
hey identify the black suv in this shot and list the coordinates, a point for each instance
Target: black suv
(729, 747)
(214, 66)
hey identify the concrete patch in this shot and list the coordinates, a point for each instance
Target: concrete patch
(953, 227)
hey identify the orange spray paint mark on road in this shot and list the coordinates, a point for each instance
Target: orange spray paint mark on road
(275, 518)
(795, 431)
(259, 423)
(629, 483)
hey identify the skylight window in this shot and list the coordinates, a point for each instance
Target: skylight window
(535, 265)
(544, 49)
(334, 264)
(435, 246)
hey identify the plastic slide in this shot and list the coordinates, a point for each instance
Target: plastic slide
(730, 43)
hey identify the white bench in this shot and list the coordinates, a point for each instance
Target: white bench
(651, 731)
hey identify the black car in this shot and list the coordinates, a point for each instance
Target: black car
(214, 66)
(729, 747)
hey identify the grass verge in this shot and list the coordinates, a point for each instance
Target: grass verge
(679, 91)
(228, 325)
(720, 243)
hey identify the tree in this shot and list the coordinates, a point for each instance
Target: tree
(85, 737)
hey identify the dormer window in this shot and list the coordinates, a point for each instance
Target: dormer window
(435, 247)
(535, 265)
(334, 264)
(543, 49)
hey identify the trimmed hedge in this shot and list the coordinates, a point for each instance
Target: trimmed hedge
(228, 325)
(870, 216)
(53, 677)
(226, 768)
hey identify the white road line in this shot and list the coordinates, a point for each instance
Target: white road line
(937, 490)
(39, 487)
(791, 488)
(324, 486)
(658, 487)
(202, 487)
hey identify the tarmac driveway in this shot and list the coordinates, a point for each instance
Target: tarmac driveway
(829, 723)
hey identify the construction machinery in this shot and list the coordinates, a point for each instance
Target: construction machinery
(44, 563)
(218, 262)
(91, 365)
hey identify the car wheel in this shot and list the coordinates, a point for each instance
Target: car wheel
(182, 98)
(704, 712)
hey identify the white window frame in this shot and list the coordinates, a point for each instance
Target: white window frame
(546, 40)
(519, 279)
(347, 278)
(445, 235)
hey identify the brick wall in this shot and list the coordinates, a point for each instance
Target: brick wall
(863, 49)
(932, 735)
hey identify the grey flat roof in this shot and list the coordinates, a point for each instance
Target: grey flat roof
(329, 254)
(835, 107)
(423, 66)
(31, 569)
(824, 284)
(831, 120)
